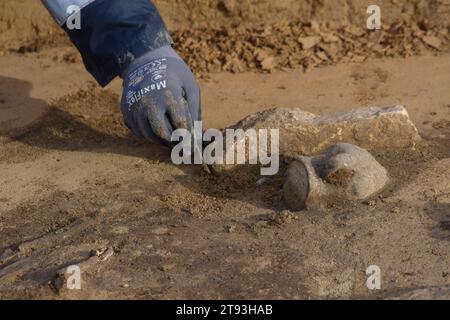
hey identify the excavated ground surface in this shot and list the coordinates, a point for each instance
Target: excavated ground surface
(76, 182)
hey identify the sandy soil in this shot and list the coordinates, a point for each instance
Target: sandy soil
(75, 181)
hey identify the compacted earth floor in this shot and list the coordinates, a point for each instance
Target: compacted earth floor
(77, 188)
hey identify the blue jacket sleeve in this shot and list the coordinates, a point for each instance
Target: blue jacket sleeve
(114, 33)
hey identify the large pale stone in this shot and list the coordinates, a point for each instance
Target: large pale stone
(306, 133)
(342, 172)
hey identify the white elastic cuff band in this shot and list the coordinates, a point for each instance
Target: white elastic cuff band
(61, 10)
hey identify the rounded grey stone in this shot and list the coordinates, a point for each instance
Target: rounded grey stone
(343, 172)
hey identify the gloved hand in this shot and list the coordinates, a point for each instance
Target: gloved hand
(160, 95)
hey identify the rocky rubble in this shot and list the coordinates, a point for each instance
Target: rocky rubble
(295, 44)
(280, 46)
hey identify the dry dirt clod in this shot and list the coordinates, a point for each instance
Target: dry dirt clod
(284, 217)
(432, 41)
(269, 63)
(230, 228)
(309, 42)
(395, 210)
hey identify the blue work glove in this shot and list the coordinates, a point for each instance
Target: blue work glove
(160, 95)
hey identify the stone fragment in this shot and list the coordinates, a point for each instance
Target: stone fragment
(269, 63)
(306, 133)
(432, 41)
(342, 172)
(309, 42)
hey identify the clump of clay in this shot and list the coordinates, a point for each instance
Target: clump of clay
(344, 171)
